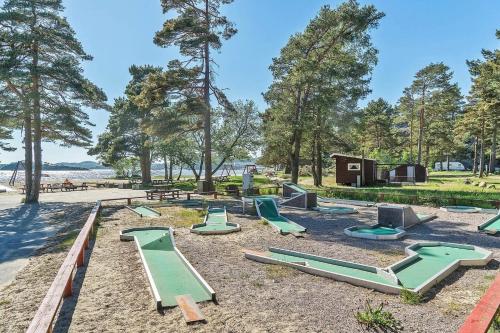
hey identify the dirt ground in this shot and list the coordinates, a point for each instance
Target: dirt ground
(111, 293)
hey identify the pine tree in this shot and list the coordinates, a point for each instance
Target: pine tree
(198, 28)
(43, 69)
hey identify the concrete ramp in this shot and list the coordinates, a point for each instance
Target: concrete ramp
(400, 216)
(492, 226)
(215, 223)
(298, 197)
(267, 210)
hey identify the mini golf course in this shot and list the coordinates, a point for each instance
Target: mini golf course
(144, 211)
(170, 275)
(215, 223)
(426, 265)
(267, 210)
(347, 202)
(392, 221)
(492, 226)
(461, 209)
(336, 209)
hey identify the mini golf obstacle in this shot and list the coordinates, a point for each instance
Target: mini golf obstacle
(172, 279)
(492, 226)
(392, 223)
(268, 210)
(359, 203)
(215, 223)
(460, 209)
(144, 211)
(426, 265)
(336, 209)
(298, 197)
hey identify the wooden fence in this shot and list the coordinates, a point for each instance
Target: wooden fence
(62, 285)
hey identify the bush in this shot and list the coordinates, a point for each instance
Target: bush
(410, 297)
(377, 318)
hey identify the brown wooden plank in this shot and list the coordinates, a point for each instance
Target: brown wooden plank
(189, 308)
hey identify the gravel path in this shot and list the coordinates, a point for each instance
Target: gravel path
(113, 294)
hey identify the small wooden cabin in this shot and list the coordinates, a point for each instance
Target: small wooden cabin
(408, 173)
(348, 168)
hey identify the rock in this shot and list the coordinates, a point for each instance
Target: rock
(482, 184)
(491, 186)
(467, 181)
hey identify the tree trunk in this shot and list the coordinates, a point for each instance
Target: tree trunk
(207, 111)
(295, 157)
(427, 157)
(493, 155)
(201, 166)
(421, 128)
(481, 151)
(37, 127)
(170, 170)
(474, 163)
(146, 166)
(180, 173)
(313, 161)
(165, 167)
(448, 162)
(441, 164)
(28, 154)
(319, 162)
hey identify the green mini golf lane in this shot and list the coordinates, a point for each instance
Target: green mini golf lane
(216, 221)
(336, 209)
(376, 230)
(168, 270)
(492, 225)
(431, 260)
(422, 267)
(269, 212)
(359, 273)
(144, 211)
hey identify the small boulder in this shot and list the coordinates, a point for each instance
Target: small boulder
(482, 184)
(467, 181)
(492, 186)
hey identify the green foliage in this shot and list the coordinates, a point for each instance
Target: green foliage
(410, 297)
(318, 78)
(126, 167)
(377, 318)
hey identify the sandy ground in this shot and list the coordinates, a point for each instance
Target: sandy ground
(112, 294)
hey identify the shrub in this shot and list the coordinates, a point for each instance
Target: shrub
(377, 318)
(410, 297)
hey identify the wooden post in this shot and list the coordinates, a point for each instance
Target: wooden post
(129, 201)
(189, 196)
(68, 290)
(81, 258)
(215, 195)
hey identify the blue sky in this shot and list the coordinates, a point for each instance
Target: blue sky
(412, 34)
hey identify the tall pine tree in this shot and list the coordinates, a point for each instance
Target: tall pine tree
(42, 57)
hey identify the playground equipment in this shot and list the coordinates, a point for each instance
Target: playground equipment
(144, 211)
(250, 168)
(12, 179)
(215, 223)
(268, 210)
(226, 170)
(392, 223)
(426, 265)
(492, 226)
(297, 197)
(171, 277)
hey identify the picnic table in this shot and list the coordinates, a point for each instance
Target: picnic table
(161, 194)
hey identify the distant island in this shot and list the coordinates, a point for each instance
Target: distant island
(62, 166)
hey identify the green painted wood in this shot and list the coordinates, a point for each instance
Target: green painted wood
(430, 261)
(269, 212)
(360, 272)
(145, 212)
(169, 272)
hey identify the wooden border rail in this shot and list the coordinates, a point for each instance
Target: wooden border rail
(481, 317)
(62, 285)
